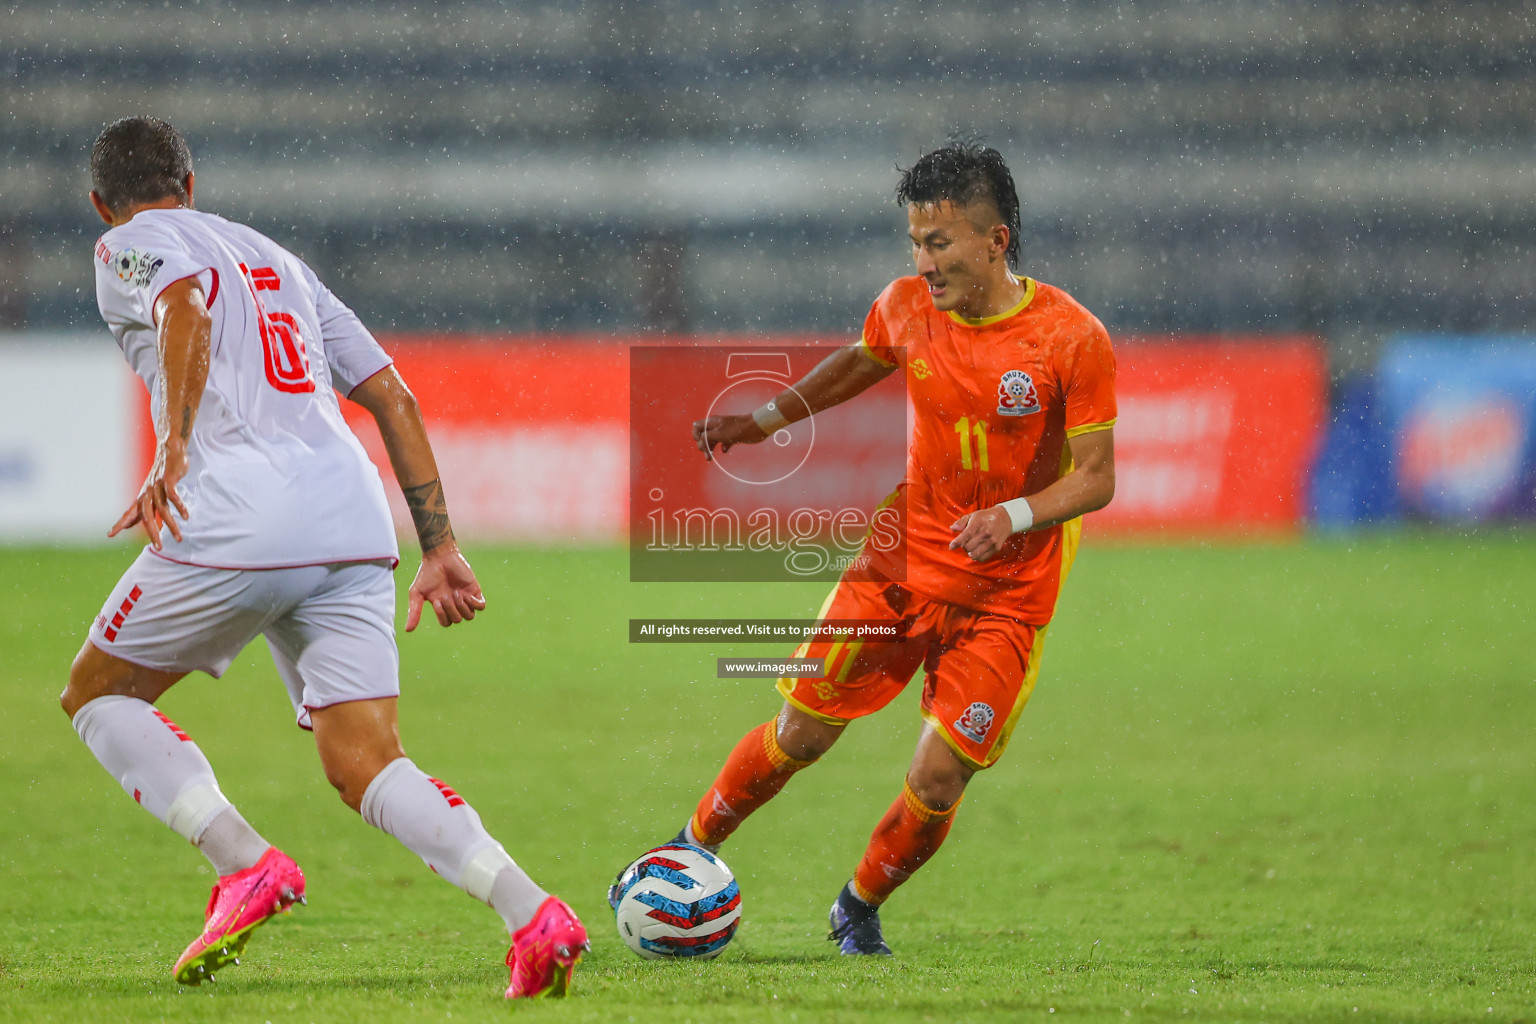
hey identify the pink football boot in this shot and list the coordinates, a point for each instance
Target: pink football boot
(545, 951)
(240, 903)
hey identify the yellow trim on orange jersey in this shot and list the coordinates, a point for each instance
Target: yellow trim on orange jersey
(1089, 428)
(821, 614)
(1026, 690)
(834, 651)
(1029, 296)
(786, 685)
(864, 346)
(885, 503)
(848, 659)
(943, 732)
(786, 689)
(1071, 538)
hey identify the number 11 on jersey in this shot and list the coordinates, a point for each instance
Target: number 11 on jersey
(967, 429)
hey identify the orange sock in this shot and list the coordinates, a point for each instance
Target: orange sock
(906, 837)
(754, 773)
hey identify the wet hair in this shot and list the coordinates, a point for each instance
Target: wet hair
(139, 160)
(964, 172)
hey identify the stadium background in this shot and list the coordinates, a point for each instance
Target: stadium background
(1321, 214)
(557, 174)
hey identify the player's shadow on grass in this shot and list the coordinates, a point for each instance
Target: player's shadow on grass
(251, 985)
(752, 959)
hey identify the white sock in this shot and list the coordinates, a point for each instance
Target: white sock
(230, 843)
(169, 777)
(437, 825)
(515, 896)
(694, 840)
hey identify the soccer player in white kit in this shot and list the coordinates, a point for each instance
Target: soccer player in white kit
(265, 517)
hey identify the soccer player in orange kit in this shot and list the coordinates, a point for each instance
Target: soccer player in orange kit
(1012, 385)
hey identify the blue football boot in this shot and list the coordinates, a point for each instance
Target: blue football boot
(856, 926)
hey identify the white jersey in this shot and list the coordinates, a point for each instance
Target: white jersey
(275, 477)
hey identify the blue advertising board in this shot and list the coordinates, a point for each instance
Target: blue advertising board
(1460, 416)
(1352, 477)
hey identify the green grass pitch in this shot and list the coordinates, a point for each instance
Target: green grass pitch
(1257, 782)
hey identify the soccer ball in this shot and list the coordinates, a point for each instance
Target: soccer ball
(676, 901)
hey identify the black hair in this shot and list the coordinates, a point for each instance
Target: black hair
(139, 160)
(964, 172)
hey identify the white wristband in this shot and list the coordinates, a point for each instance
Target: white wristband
(769, 418)
(1019, 513)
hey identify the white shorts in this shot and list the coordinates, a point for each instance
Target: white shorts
(330, 628)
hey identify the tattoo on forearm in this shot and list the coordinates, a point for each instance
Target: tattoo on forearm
(186, 423)
(429, 511)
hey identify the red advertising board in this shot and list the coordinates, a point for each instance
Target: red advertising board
(1215, 434)
(532, 433)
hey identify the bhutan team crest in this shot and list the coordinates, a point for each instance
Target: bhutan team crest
(975, 722)
(1016, 394)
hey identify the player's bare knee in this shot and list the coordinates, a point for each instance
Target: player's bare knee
(356, 740)
(351, 792)
(85, 683)
(938, 789)
(95, 673)
(69, 703)
(352, 771)
(805, 738)
(350, 782)
(938, 776)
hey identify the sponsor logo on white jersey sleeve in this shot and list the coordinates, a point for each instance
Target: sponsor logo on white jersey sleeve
(136, 267)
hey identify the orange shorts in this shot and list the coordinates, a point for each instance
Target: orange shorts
(980, 667)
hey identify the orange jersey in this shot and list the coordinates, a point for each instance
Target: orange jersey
(995, 401)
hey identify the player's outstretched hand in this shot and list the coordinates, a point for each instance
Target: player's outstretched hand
(448, 584)
(725, 431)
(982, 534)
(158, 496)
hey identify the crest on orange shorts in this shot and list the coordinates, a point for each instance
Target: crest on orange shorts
(976, 721)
